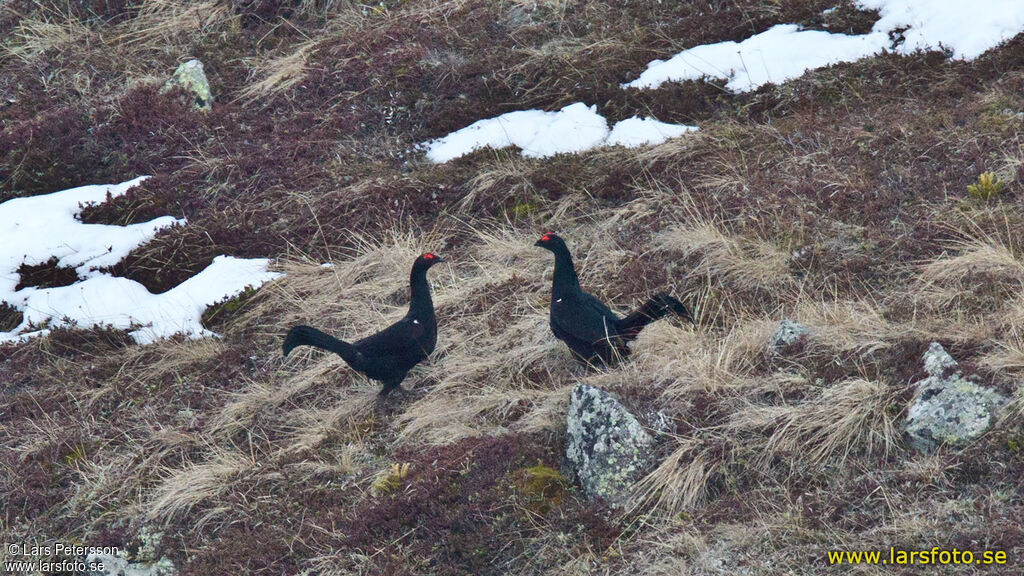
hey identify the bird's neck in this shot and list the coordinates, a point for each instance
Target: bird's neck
(420, 303)
(565, 279)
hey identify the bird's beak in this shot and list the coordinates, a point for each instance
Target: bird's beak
(438, 259)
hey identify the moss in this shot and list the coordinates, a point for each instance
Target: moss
(521, 210)
(543, 486)
(1014, 444)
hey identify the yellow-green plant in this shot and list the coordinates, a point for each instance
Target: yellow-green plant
(392, 480)
(987, 187)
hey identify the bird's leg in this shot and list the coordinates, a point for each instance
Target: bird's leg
(388, 387)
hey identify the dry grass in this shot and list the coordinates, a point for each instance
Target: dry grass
(848, 417)
(277, 75)
(745, 263)
(979, 259)
(850, 325)
(982, 262)
(163, 23)
(681, 480)
(195, 484)
(48, 29)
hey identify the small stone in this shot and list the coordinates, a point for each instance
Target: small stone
(788, 332)
(606, 447)
(190, 77)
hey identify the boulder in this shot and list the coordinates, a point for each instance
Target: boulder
(607, 449)
(948, 409)
(189, 76)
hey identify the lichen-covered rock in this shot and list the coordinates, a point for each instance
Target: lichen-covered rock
(788, 332)
(606, 448)
(116, 566)
(947, 407)
(146, 562)
(190, 77)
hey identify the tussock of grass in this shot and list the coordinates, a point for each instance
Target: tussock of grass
(196, 484)
(682, 480)
(163, 22)
(849, 325)
(979, 260)
(854, 415)
(740, 262)
(1008, 354)
(50, 29)
(279, 74)
(984, 272)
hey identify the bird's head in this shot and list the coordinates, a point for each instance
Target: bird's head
(550, 241)
(426, 260)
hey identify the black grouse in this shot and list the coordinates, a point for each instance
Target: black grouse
(388, 355)
(592, 331)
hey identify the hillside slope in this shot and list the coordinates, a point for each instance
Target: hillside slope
(838, 199)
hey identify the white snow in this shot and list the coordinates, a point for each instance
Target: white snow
(539, 134)
(784, 51)
(36, 228)
(966, 28)
(780, 53)
(634, 132)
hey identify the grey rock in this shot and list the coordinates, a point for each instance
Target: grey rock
(938, 362)
(607, 448)
(146, 559)
(190, 77)
(788, 333)
(117, 566)
(948, 409)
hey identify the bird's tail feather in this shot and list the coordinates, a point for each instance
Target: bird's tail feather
(309, 336)
(657, 307)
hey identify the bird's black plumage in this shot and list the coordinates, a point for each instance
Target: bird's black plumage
(388, 355)
(591, 330)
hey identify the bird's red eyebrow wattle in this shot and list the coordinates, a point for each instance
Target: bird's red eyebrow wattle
(429, 256)
(545, 238)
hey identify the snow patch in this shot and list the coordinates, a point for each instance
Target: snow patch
(966, 28)
(634, 132)
(784, 52)
(780, 53)
(575, 128)
(539, 134)
(38, 228)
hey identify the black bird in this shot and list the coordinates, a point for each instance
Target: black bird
(588, 327)
(388, 355)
